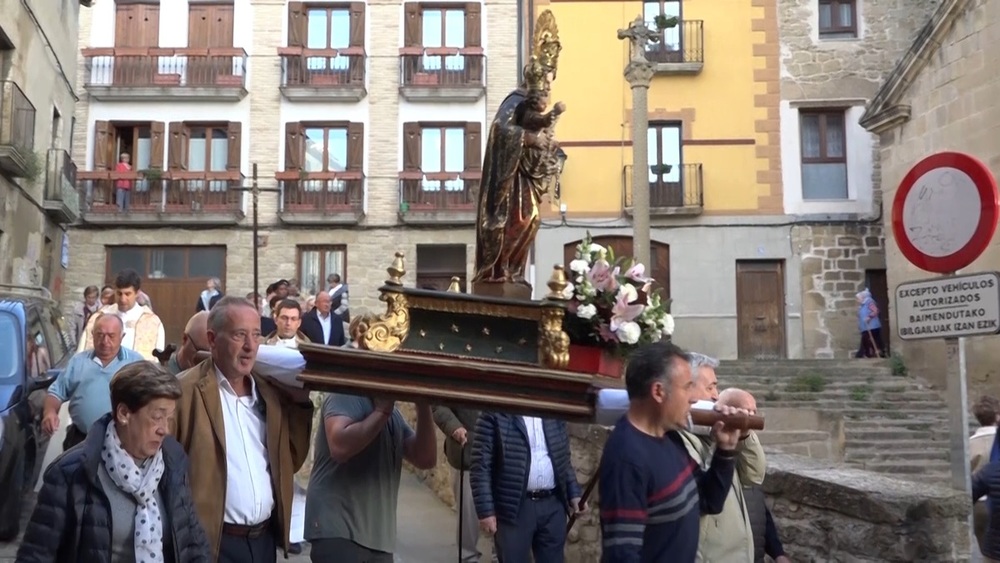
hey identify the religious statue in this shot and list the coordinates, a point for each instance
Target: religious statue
(520, 165)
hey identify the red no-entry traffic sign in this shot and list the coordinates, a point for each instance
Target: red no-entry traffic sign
(945, 212)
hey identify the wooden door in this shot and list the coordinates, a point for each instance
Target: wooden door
(878, 284)
(659, 254)
(760, 309)
(174, 302)
(137, 27)
(210, 26)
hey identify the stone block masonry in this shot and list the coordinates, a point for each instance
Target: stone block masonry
(369, 253)
(835, 260)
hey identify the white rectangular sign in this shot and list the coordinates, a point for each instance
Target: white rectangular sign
(949, 307)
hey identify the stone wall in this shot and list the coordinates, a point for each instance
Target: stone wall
(827, 514)
(953, 106)
(824, 513)
(834, 260)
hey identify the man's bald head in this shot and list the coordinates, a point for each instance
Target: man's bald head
(738, 398)
(197, 330)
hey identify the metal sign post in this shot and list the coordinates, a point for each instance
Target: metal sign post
(944, 216)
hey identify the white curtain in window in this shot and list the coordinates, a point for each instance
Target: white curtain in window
(430, 157)
(316, 265)
(454, 157)
(141, 160)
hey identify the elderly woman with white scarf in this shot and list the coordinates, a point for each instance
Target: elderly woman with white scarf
(122, 495)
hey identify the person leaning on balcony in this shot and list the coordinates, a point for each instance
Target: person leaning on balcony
(123, 186)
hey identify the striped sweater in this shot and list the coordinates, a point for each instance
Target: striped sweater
(653, 494)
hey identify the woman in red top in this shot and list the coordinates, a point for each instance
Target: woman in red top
(123, 187)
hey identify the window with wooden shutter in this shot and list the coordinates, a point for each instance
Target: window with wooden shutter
(473, 146)
(412, 25)
(177, 149)
(411, 147)
(298, 24)
(355, 147)
(234, 158)
(473, 52)
(294, 147)
(156, 143)
(103, 146)
(357, 34)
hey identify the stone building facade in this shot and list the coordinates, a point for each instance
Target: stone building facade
(833, 58)
(37, 83)
(942, 95)
(375, 96)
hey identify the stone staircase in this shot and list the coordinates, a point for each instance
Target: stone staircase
(891, 424)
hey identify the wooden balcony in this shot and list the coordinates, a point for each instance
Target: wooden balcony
(323, 75)
(681, 49)
(442, 74)
(62, 201)
(674, 192)
(167, 198)
(443, 198)
(157, 74)
(17, 132)
(321, 198)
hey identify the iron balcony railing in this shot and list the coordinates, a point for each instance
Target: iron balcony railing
(152, 191)
(324, 68)
(442, 66)
(684, 43)
(165, 68)
(439, 191)
(60, 181)
(321, 192)
(680, 186)
(17, 119)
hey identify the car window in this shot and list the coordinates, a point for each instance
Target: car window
(36, 353)
(8, 341)
(56, 334)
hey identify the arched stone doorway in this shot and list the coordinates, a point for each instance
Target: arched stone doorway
(659, 255)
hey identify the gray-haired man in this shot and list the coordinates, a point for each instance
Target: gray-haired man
(612, 404)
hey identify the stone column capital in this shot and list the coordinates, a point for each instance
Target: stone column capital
(639, 74)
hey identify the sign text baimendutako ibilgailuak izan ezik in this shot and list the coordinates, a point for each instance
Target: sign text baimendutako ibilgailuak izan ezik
(949, 307)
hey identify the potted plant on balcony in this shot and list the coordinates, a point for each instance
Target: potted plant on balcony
(153, 174)
(613, 309)
(34, 165)
(661, 169)
(663, 21)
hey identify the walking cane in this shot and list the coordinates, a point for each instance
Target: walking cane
(871, 338)
(587, 491)
(461, 503)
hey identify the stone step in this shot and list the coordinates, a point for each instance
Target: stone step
(779, 437)
(930, 466)
(864, 410)
(890, 433)
(893, 445)
(869, 454)
(830, 372)
(778, 384)
(859, 363)
(870, 402)
(881, 421)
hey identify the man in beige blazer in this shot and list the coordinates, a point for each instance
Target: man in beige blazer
(246, 436)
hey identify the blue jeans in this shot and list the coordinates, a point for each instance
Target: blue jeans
(123, 198)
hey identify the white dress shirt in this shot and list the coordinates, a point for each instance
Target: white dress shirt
(129, 318)
(249, 496)
(325, 323)
(541, 475)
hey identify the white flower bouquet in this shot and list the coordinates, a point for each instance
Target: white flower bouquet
(612, 302)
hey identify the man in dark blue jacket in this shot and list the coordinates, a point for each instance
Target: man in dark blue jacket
(524, 485)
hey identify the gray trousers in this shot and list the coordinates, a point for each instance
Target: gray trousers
(468, 527)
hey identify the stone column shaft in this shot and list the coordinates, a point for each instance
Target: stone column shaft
(639, 74)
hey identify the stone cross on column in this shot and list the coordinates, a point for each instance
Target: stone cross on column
(639, 72)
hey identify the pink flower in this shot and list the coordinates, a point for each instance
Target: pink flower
(622, 312)
(602, 276)
(606, 333)
(638, 273)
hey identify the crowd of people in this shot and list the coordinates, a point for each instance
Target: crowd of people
(202, 453)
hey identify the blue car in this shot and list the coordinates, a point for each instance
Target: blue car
(34, 349)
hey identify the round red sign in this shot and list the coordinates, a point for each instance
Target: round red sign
(945, 212)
